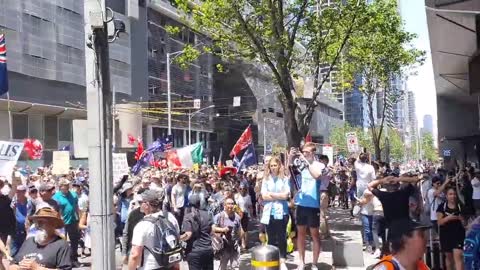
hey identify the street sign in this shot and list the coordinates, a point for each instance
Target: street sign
(236, 101)
(352, 142)
(196, 103)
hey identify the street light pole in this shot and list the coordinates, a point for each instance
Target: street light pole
(190, 116)
(169, 97)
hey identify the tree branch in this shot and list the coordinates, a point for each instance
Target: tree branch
(293, 34)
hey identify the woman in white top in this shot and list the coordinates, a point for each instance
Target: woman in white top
(275, 193)
(367, 219)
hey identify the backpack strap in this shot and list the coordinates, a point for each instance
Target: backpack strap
(395, 265)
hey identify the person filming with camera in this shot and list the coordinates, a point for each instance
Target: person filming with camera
(307, 199)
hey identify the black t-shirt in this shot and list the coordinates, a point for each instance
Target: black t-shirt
(395, 204)
(452, 228)
(7, 216)
(201, 227)
(54, 255)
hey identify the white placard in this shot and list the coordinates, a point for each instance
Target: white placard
(328, 151)
(120, 166)
(60, 162)
(197, 103)
(237, 101)
(9, 153)
(352, 142)
(80, 138)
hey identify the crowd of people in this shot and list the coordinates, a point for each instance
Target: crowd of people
(164, 216)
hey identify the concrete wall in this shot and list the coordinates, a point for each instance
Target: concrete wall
(457, 120)
(139, 58)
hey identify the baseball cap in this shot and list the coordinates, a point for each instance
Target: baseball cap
(46, 187)
(22, 188)
(77, 183)
(153, 195)
(401, 227)
(126, 187)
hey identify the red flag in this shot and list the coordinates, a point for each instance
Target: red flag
(243, 142)
(140, 150)
(308, 138)
(33, 148)
(131, 139)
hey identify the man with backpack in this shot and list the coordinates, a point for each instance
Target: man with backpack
(155, 241)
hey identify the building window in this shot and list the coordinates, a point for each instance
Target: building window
(264, 110)
(271, 110)
(35, 126)
(279, 114)
(64, 130)
(178, 137)
(51, 132)
(20, 126)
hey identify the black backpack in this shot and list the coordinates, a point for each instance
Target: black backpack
(167, 249)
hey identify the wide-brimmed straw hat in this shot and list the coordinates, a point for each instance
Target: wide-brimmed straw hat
(50, 214)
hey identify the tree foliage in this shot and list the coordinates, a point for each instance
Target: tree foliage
(293, 38)
(379, 54)
(429, 152)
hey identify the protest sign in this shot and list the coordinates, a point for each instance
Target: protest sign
(60, 162)
(9, 153)
(352, 142)
(120, 166)
(328, 151)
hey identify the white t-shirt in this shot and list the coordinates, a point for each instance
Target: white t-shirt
(365, 174)
(244, 202)
(434, 203)
(143, 236)
(178, 195)
(476, 189)
(83, 202)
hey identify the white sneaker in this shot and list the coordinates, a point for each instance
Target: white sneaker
(377, 253)
(301, 267)
(283, 266)
(314, 267)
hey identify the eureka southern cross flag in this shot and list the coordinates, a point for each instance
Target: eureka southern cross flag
(3, 66)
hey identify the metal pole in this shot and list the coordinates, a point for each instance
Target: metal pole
(10, 127)
(189, 128)
(99, 101)
(264, 137)
(114, 124)
(169, 93)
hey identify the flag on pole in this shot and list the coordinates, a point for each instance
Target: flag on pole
(3, 66)
(243, 142)
(249, 158)
(185, 157)
(308, 138)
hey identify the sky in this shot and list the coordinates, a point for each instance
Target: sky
(423, 84)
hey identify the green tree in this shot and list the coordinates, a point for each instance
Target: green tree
(429, 152)
(293, 38)
(397, 145)
(377, 55)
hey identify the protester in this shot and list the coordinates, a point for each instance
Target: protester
(365, 173)
(275, 194)
(179, 192)
(19, 204)
(245, 206)
(452, 231)
(46, 250)
(325, 184)
(435, 197)
(366, 212)
(68, 204)
(228, 224)
(7, 215)
(143, 234)
(47, 191)
(472, 246)
(408, 243)
(197, 227)
(476, 192)
(307, 201)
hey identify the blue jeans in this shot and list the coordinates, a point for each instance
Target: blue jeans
(367, 223)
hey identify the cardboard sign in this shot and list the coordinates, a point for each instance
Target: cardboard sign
(60, 162)
(352, 142)
(328, 151)
(9, 153)
(120, 166)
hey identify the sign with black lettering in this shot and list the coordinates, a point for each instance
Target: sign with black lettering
(9, 153)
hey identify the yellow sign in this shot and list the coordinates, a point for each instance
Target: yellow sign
(61, 162)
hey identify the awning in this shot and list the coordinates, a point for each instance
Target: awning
(44, 109)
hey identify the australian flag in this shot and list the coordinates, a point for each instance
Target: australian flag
(160, 145)
(3, 66)
(249, 158)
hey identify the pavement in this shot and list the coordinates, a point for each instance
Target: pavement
(343, 228)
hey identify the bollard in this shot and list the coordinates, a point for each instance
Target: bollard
(265, 257)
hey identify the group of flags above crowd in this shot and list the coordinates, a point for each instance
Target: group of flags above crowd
(161, 153)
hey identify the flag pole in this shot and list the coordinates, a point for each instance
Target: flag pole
(9, 116)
